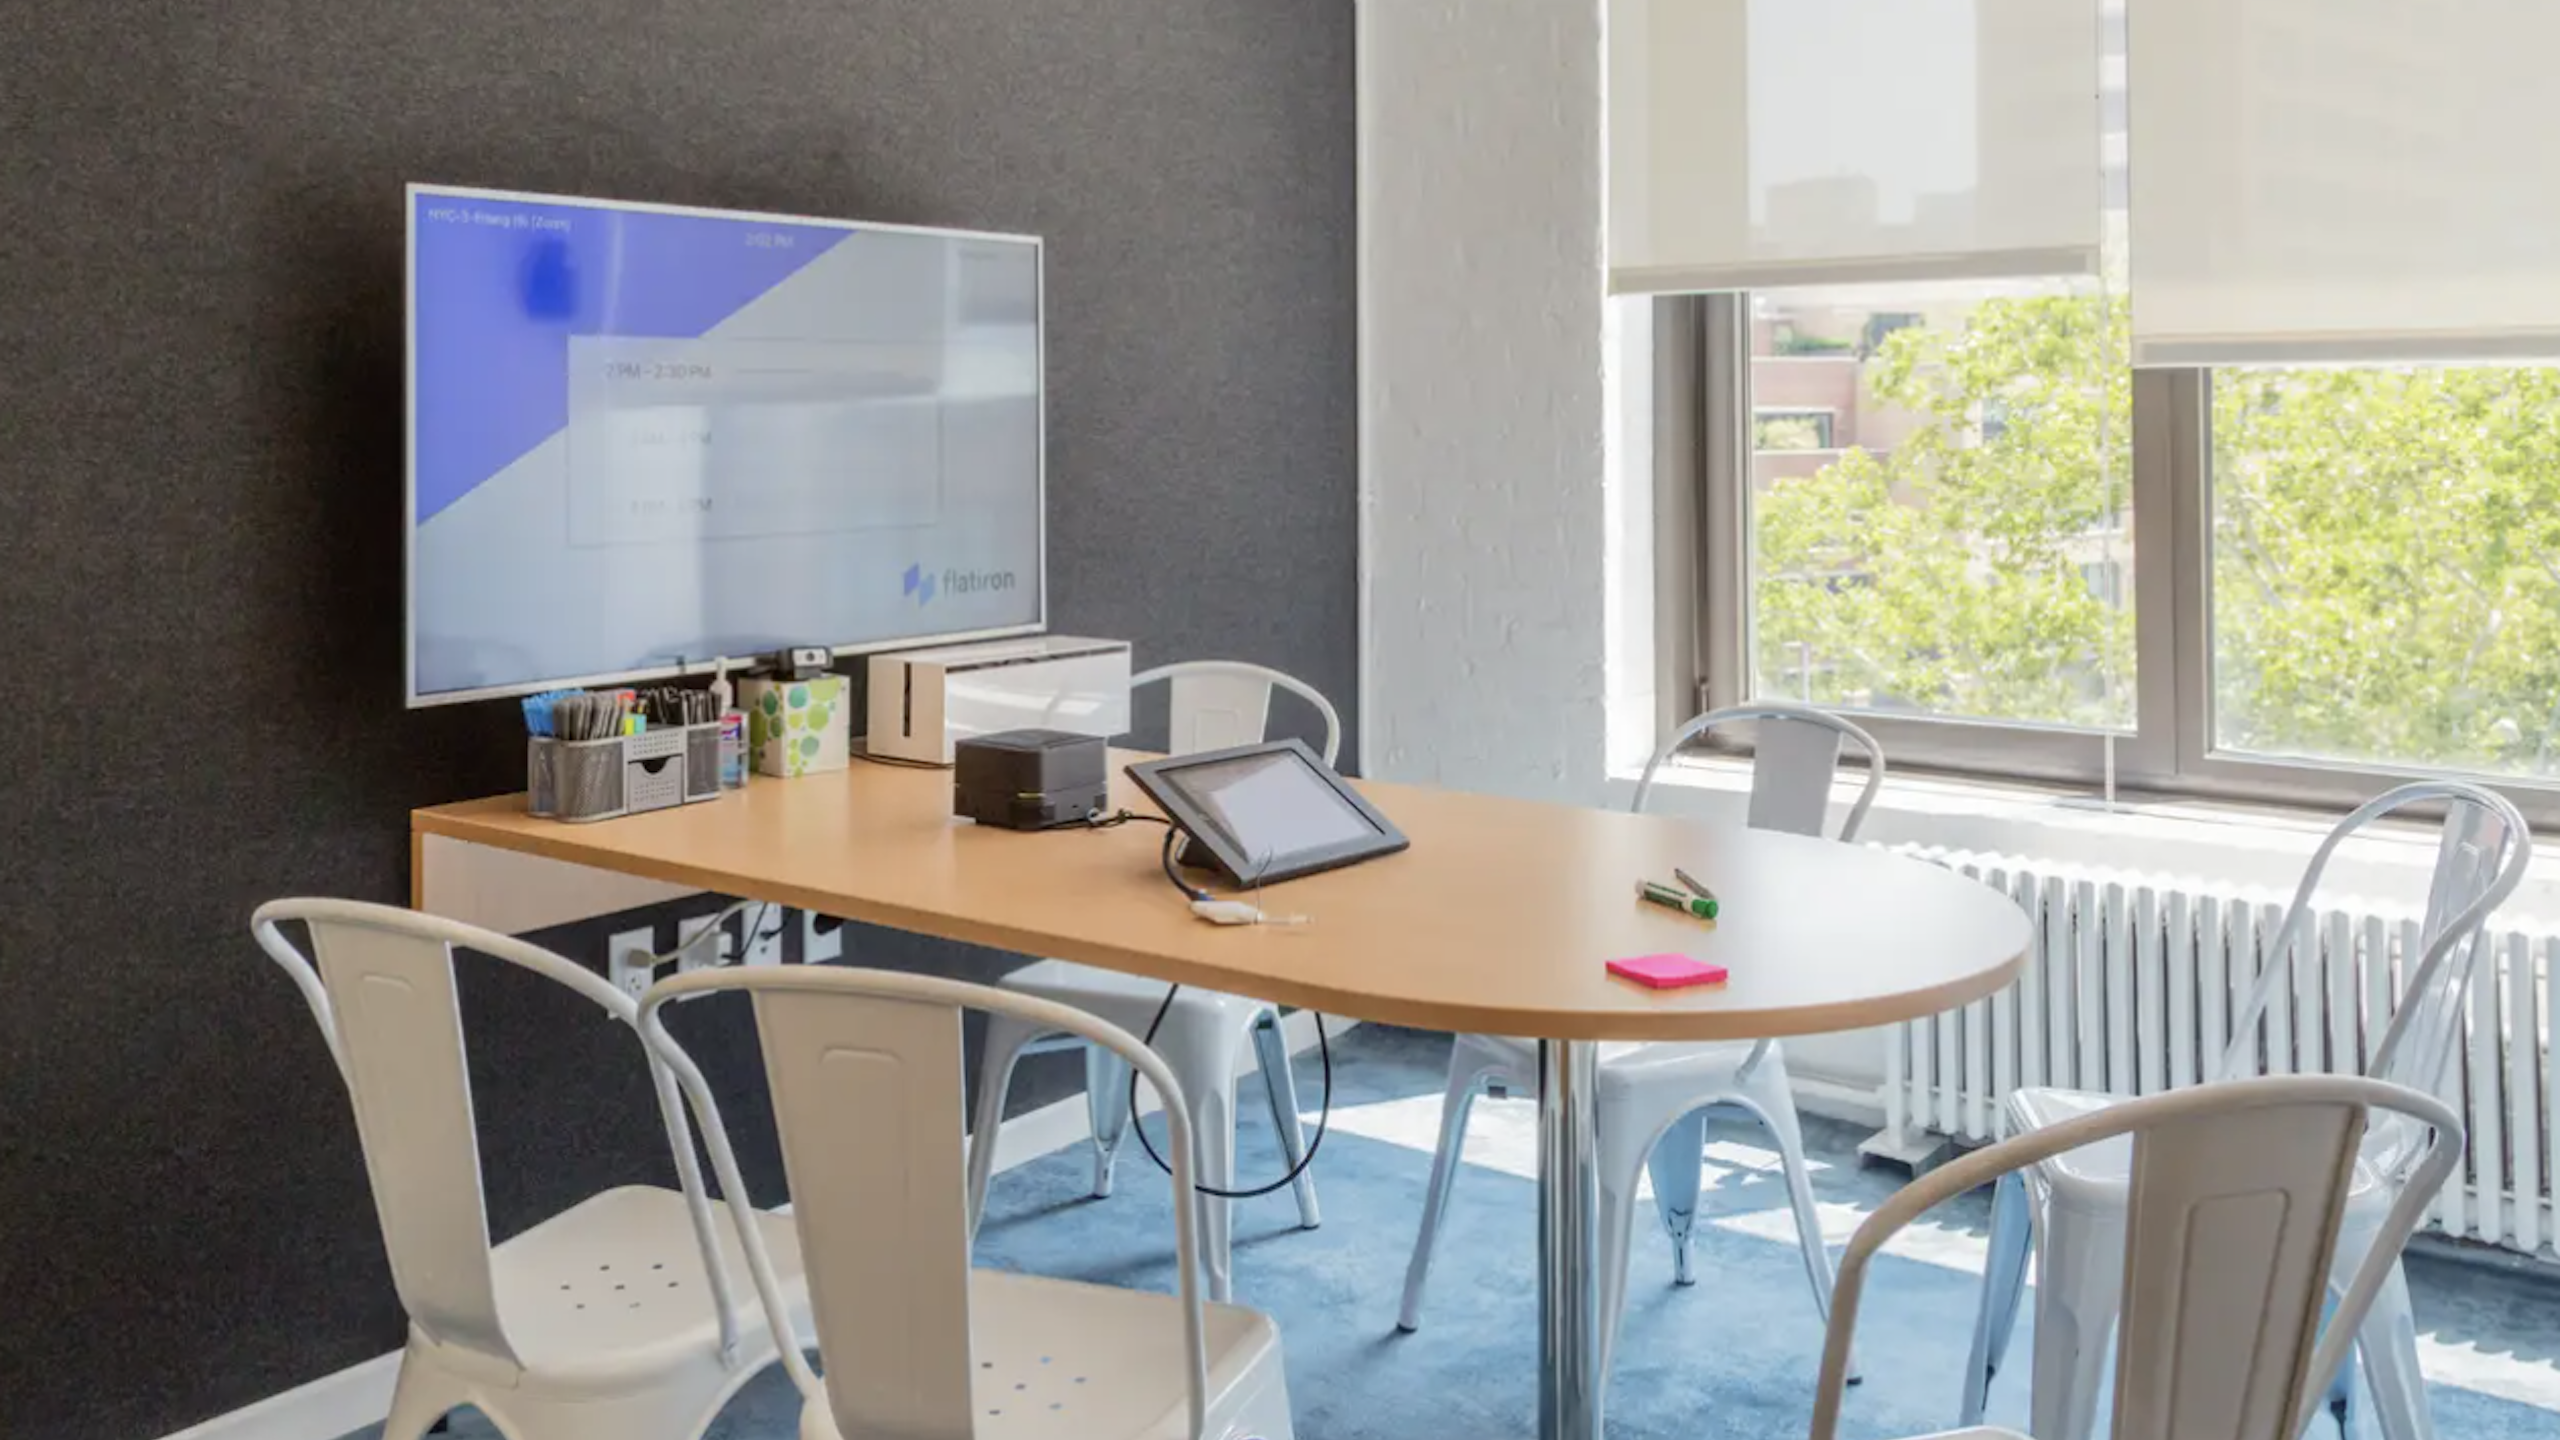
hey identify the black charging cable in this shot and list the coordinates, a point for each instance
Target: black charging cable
(1324, 1045)
(1315, 1142)
(1172, 837)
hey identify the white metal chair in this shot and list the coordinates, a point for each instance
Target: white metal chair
(612, 1320)
(1654, 1097)
(865, 1069)
(1215, 704)
(2073, 1214)
(2235, 1197)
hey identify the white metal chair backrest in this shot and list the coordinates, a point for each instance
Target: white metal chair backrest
(1795, 750)
(382, 989)
(865, 1069)
(1219, 703)
(2236, 1193)
(2480, 859)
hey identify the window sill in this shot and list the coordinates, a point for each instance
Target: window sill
(2250, 846)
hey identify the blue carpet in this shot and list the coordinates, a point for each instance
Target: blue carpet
(1733, 1356)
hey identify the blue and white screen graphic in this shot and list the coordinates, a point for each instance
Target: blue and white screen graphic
(644, 436)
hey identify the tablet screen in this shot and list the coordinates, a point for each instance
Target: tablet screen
(1271, 806)
(1265, 813)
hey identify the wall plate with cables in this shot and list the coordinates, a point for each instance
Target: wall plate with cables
(821, 939)
(630, 967)
(696, 951)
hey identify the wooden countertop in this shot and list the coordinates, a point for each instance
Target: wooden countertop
(1499, 919)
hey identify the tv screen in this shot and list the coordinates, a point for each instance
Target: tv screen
(643, 437)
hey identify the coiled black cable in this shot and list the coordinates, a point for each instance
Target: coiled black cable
(1324, 1114)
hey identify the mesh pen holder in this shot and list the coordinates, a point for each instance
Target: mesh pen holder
(576, 779)
(702, 762)
(582, 780)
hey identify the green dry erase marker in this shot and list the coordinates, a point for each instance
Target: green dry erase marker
(1702, 906)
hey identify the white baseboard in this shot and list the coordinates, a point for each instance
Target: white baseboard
(360, 1395)
(1837, 1100)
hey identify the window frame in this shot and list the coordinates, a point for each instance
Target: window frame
(2170, 752)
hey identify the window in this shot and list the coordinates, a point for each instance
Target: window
(1797, 342)
(2370, 585)
(1793, 430)
(1882, 324)
(2207, 443)
(2386, 566)
(1941, 559)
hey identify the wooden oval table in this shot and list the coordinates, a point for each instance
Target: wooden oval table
(1500, 919)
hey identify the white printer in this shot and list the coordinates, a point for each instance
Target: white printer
(923, 701)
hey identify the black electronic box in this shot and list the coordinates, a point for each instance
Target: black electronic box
(1029, 779)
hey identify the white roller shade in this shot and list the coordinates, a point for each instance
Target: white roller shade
(1803, 142)
(2344, 180)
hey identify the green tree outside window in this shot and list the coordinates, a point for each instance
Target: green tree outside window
(2385, 547)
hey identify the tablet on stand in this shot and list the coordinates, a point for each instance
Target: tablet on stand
(1265, 813)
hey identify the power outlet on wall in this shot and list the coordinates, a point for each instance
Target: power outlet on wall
(627, 962)
(715, 950)
(765, 925)
(819, 946)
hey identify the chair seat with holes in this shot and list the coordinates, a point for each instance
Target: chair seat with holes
(614, 1286)
(620, 1318)
(916, 1340)
(1060, 1358)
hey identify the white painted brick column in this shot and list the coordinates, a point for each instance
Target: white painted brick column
(1484, 529)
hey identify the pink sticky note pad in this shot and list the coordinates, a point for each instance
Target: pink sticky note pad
(1667, 972)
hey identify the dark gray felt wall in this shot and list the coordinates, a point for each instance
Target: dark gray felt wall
(200, 379)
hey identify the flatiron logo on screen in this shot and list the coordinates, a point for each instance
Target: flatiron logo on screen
(922, 584)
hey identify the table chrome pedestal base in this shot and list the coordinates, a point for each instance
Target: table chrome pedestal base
(1569, 1378)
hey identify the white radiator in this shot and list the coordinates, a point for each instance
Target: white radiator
(2131, 987)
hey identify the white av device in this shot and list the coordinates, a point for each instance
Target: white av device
(924, 701)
